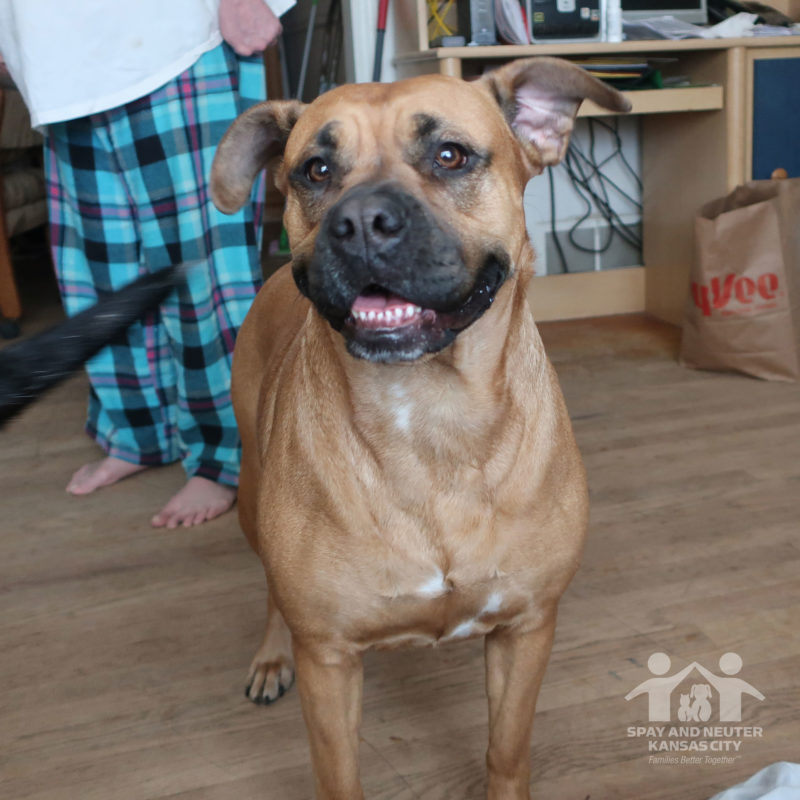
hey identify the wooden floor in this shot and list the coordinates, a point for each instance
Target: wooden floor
(123, 650)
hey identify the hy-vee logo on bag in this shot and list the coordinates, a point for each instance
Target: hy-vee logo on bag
(737, 295)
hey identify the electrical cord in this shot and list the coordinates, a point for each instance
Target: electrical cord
(594, 188)
(598, 195)
(597, 198)
(438, 11)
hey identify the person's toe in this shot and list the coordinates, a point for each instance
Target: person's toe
(101, 473)
(198, 501)
(175, 520)
(159, 520)
(78, 480)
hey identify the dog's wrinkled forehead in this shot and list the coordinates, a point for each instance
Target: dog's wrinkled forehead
(373, 125)
(517, 119)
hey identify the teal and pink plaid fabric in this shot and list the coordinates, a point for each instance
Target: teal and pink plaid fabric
(128, 194)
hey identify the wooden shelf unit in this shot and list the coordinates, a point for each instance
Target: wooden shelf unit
(663, 101)
(696, 145)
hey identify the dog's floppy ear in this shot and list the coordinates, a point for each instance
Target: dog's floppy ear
(540, 97)
(255, 139)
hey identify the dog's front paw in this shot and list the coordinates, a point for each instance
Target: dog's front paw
(268, 681)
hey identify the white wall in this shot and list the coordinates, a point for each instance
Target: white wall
(360, 22)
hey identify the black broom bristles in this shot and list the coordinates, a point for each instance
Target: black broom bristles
(29, 368)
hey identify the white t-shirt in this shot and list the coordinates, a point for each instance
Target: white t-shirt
(71, 58)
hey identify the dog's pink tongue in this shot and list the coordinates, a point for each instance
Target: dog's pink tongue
(378, 302)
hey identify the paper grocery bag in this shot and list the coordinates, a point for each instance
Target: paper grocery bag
(743, 310)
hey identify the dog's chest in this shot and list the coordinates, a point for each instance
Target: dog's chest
(445, 549)
(423, 530)
(429, 606)
(427, 584)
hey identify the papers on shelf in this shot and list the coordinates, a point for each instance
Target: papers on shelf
(612, 67)
(738, 25)
(775, 30)
(668, 27)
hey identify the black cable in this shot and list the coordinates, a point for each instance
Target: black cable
(579, 185)
(553, 231)
(597, 168)
(615, 132)
(602, 203)
(583, 171)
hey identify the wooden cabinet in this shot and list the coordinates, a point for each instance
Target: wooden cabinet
(774, 103)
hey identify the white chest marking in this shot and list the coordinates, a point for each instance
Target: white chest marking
(475, 626)
(402, 408)
(433, 587)
(493, 604)
(461, 630)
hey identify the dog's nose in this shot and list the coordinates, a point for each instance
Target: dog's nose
(375, 221)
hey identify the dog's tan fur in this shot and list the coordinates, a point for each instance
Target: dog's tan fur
(408, 503)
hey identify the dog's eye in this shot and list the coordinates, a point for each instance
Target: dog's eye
(451, 156)
(317, 171)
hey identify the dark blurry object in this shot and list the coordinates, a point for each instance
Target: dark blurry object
(383, 10)
(331, 48)
(476, 21)
(448, 41)
(30, 367)
(719, 10)
(23, 204)
(555, 21)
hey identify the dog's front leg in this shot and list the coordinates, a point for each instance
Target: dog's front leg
(330, 685)
(515, 665)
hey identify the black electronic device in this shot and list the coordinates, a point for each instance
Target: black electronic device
(476, 21)
(564, 20)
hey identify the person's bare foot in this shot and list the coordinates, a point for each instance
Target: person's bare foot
(101, 473)
(199, 501)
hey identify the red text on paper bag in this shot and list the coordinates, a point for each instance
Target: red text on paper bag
(737, 295)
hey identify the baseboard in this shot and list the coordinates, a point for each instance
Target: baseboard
(587, 294)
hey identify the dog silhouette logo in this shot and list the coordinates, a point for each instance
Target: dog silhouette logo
(695, 706)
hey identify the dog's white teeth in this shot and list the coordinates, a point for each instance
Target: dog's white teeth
(387, 317)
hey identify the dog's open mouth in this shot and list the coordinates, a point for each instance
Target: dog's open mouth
(378, 309)
(384, 326)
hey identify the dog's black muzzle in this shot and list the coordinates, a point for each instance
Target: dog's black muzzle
(393, 280)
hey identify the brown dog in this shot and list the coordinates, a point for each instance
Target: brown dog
(409, 472)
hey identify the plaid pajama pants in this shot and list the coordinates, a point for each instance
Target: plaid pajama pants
(128, 194)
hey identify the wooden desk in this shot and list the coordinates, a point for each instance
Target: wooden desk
(697, 144)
